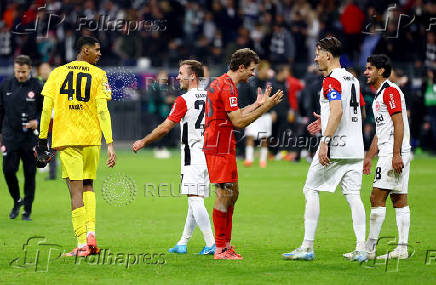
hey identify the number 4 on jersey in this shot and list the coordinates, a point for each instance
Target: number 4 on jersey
(67, 86)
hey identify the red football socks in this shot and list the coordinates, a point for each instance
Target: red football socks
(229, 225)
(220, 224)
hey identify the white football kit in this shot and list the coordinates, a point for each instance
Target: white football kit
(346, 149)
(188, 110)
(388, 101)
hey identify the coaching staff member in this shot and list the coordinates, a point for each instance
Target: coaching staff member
(20, 110)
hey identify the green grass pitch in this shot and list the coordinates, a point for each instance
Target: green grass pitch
(268, 221)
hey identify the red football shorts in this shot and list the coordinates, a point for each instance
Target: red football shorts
(222, 168)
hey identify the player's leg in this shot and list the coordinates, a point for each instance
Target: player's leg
(201, 217)
(315, 182)
(376, 218)
(190, 224)
(29, 168)
(402, 213)
(72, 171)
(263, 153)
(311, 216)
(189, 178)
(200, 213)
(351, 183)
(249, 151)
(90, 206)
(91, 157)
(266, 123)
(226, 197)
(11, 161)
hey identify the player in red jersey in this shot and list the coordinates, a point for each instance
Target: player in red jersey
(222, 116)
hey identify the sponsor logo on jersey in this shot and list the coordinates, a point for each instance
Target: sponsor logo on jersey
(31, 94)
(379, 119)
(392, 101)
(233, 102)
(377, 106)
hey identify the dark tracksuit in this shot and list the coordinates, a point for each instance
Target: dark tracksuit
(19, 104)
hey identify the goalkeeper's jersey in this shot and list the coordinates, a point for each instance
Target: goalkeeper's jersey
(74, 87)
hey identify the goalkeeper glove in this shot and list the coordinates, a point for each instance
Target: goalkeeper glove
(43, 154)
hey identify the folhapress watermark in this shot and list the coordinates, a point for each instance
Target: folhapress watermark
(106, 257)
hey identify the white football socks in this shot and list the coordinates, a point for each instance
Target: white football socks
(189, 227)
(249, 153)
(201, 217)
(403, 225)
(376, 220)
(263, 154)
(358, 215)
(311, 215)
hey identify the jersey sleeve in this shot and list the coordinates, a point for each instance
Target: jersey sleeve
(103, 89)
(229, 96)
(392, 99)
(178, 111)
(50, 86)
(362, 100)
(331, 88)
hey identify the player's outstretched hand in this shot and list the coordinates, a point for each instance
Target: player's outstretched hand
(111, 156)
(137, 145)
(397, 164)
(315, 127)
(322, 154)
(367, 166)
(274, 99)
(261, 97)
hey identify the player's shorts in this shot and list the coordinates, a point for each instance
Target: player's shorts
(344, 172)
(195, 180)
(80, 162)
(222, 168)
(261, 128)
(386, 178)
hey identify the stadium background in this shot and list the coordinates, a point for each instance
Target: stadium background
(142, 39)
(271, 206)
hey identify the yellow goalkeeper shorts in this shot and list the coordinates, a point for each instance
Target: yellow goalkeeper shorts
(80, 162)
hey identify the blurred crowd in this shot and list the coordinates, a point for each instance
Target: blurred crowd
(159, 34)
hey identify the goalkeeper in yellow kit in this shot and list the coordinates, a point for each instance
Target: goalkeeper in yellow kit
(78, 92)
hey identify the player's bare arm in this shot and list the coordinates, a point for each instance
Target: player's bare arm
(332, 125)
(397, 161)
(372, 152)
(240, 120)
(259, 101)
(105, 126)
(159, 132)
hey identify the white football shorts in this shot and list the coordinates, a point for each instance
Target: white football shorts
(386, 178)
(346, 172)
(195, 180)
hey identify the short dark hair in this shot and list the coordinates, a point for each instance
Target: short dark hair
(195, 66)
(83, 41)
(330, 44)
(381, 61)
(23, 60)
(244, 57)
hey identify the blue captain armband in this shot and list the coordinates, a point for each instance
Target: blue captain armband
(333, 95)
